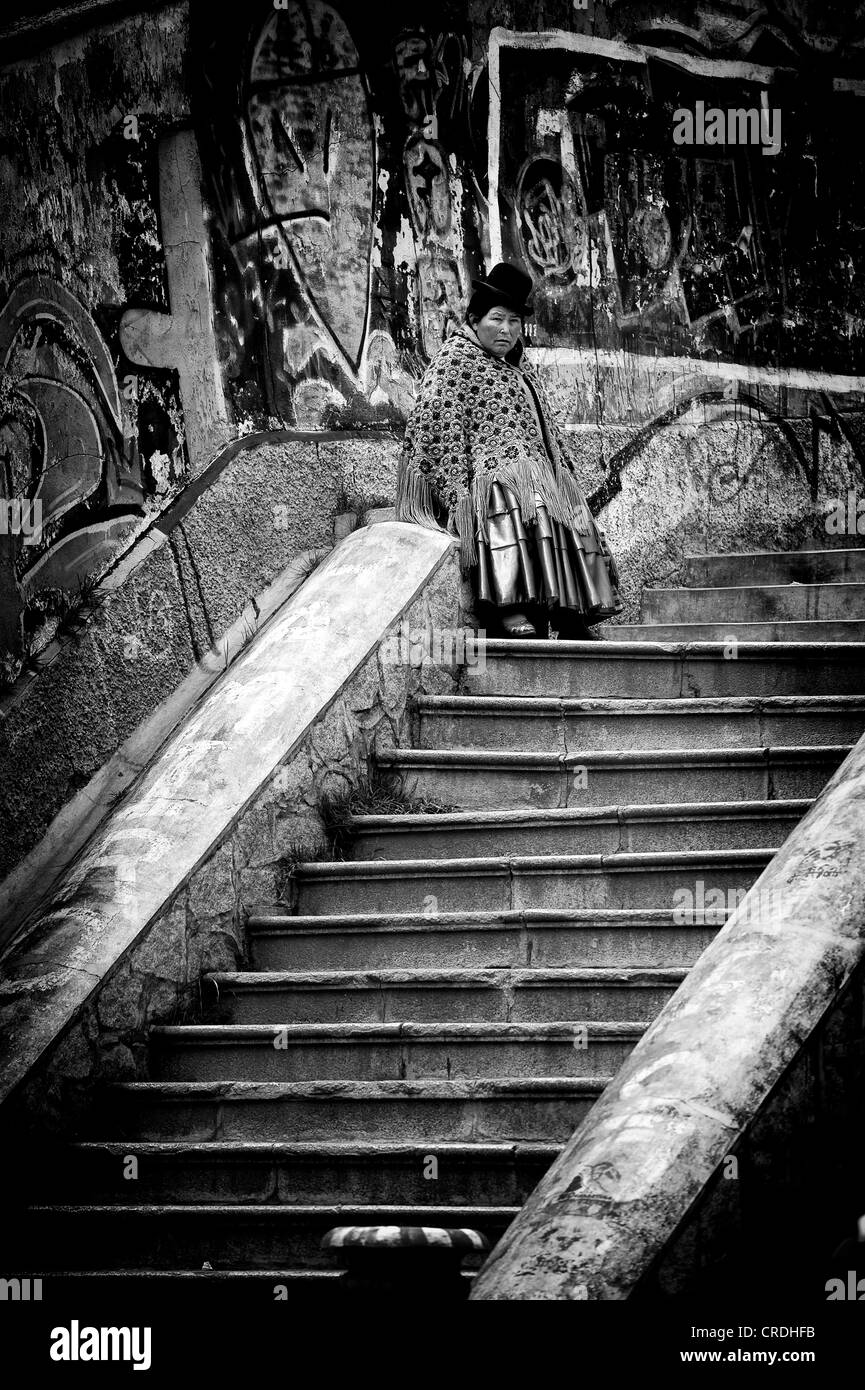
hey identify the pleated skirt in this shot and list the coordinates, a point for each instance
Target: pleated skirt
(543, 563)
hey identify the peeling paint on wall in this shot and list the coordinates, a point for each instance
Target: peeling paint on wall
(274, 220)
(81, 428)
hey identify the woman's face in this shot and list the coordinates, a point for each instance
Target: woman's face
(499, 330)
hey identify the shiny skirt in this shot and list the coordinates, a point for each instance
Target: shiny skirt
(543, 563)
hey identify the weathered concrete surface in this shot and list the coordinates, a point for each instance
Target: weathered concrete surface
(72, 94)
(839, 566)
(699, 1078)
(650, 670)
(544, 781)
(577, 726)
(199, 571)
(801, 1156)
(748, 604)
(618, 880)
(728, 486)
(367, 466)
(185, 339)
(24, 891)
(584, 830)
(214, 826)
(831, 630)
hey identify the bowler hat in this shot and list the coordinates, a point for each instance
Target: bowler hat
(510, 286)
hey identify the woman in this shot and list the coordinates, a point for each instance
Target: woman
(484, 457)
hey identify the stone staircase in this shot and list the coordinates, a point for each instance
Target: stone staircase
(463, 989)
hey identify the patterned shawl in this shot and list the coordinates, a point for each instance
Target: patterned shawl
(479, 419)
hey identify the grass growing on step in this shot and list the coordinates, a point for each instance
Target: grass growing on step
(192, 1003)
(360, 502)
(296, 852)
(376, 793)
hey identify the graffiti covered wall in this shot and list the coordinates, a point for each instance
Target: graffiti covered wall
(361, 175)
(88, 444)
(337, 153)
(273, 221)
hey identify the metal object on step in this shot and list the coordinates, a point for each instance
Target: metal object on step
(404, 1262)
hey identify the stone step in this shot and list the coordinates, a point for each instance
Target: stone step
(545, 1109)
(388, 1051)
(752, 603)
(227, 1235)
(725, 632)
(502, 780)
(572, 725)
(280, 943)
(591, 830)
(477, 885)
(538, 994)
(491, 1174)
(776, 567)
(656, 670)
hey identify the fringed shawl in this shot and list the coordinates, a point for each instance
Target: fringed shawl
(480, 419)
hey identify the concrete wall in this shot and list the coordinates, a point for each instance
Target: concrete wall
(175, 274)
(184, 585)
(273, 222)
(731, 485)
(128, 932)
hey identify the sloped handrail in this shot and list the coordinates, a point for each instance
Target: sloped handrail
(695, 1081)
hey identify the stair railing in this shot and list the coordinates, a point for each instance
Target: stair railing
(610, 1205)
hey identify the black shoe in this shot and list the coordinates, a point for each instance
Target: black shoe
(573, 629)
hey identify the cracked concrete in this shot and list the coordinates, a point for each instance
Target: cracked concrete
(783, 975)
(297, 727)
